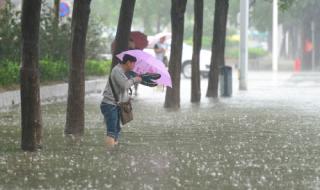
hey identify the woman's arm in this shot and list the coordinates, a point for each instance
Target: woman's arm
(122, 81)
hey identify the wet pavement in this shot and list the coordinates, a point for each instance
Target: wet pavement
(265, 138)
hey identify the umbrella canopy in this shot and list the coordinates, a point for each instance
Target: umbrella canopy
(146, 63)
(156, 38)
(140, 39)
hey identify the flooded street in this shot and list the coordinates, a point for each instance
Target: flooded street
(265, 138)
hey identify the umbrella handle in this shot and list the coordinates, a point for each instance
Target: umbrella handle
(132, 74)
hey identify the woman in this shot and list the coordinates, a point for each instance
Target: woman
(109, 107)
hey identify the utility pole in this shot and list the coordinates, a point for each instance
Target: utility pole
(244, 23)
(275, 32)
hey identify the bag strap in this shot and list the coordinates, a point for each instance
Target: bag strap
(116, 98)
(113, 91)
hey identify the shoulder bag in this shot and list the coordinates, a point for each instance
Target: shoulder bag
(125, 107)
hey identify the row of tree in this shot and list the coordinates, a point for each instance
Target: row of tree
(302, 25)
(31, 120)
(299, 21)
(54, 35)
(30, 99)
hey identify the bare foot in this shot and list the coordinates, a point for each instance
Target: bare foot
(110, 142)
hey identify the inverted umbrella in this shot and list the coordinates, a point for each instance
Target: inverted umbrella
(147, 63)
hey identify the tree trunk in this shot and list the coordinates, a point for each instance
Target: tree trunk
(31, 121)
(147, 24)
(124, 27)
(291, 51)
(76, 90)
(270, 40)
(283, 50)
(56, 12)
(218, 45)
(55, 30)
(306, 63)
(197, 35)
(317, 44)
(158, 23)
(296, 41)
(178, 8)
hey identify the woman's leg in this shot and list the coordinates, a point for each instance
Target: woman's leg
(110, 113)
(118, 127)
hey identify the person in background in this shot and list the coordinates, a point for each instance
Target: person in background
(160, 49)
(109, 107)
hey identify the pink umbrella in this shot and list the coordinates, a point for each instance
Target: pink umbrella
(146, 63)
(156, 38)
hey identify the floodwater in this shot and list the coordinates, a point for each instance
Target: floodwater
(265, 138)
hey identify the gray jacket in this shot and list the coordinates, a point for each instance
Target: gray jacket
(121, 84)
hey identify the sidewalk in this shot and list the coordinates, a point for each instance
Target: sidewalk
(49, 93)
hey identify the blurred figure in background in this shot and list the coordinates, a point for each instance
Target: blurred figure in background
(160, 49)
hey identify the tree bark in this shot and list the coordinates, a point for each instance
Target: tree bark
(197, 36)
(147, 24)
(178, 8)
(31, 121)
(306, 63)
(124, 27)
(55, 30)
(317, 44)
(291, 43)
(218, 45)
(158, 23)
(283, 49)
(296, 41)
(76, 90)
(270, 40)
(56, 12)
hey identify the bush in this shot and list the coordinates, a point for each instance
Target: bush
(257, 52)
(58, 70)
(207, 42)
(54, 42)
(9, 73)
(96, 42)
(232, 53)
(230, 42)
(10, 37)
(253, 53)
(53, 70)
(97, 68)
(54, 46)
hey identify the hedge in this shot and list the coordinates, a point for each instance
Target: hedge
(9, 73)
(50, 70)
(253, 53)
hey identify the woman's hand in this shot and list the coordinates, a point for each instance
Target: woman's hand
(138, 79)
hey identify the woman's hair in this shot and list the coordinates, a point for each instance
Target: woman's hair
(128, 57)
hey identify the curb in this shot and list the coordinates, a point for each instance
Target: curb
(51, 93)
